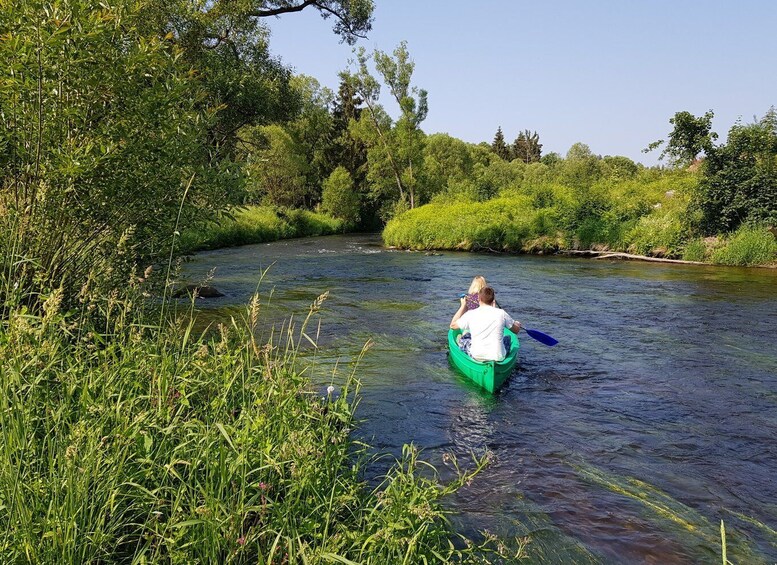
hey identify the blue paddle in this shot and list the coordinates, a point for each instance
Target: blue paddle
(543, 338)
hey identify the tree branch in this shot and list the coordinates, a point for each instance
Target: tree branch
(284, 9)
(322, 6)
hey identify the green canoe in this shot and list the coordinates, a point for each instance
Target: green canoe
(490, 374)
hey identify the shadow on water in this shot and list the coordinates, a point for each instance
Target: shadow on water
(652, 420)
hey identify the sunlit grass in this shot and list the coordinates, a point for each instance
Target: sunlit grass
(259, 224)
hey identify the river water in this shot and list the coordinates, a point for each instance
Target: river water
(653, 419)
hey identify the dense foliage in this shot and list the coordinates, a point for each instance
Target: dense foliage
(740, 178)
(102, 144)
(716, 210)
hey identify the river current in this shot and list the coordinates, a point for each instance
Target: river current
(653, 419)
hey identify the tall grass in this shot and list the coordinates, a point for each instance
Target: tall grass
(749, 245)
(259, 224)
(144, 444)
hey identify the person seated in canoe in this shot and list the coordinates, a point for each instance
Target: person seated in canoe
(471, 297)
(485, 324)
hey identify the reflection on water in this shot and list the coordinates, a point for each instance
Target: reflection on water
(654, 418)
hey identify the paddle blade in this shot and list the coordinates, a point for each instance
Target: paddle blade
(542, 338)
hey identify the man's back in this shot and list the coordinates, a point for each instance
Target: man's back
(486, 324)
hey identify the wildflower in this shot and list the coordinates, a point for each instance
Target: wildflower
(264, 486)
(241, 540)
(330, 389)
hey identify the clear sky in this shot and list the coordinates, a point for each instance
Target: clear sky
(609, 73)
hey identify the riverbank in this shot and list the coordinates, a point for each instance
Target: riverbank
(147, 444)
(259, 224)
(509, 225)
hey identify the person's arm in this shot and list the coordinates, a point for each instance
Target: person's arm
(459, 313)
(513, 325)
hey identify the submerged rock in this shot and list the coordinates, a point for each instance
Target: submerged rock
(202, 291)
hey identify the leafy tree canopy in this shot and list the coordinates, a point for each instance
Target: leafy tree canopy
(739, 182)
(690, 136)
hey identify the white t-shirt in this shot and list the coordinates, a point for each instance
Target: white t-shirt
(486, 324)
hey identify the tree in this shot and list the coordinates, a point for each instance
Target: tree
(579, 151)
(312, 130)
(551, 159)
(690, 136)
(445, 158)
(527, 147)
(226, 43)
(102, 144)
(499, 146)
(581, 169)
(344, 149)
(340, 199)
(739, 180)
(276, 173)
(394, 150)
(619, 167)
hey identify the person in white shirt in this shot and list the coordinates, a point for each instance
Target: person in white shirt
(486, 325)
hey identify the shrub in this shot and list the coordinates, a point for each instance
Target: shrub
(695, 250)
(339, 199)
(661, 233)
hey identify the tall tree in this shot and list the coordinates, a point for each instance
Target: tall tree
(345, 150)
(312, 131)
(690, 136)
(527, 147)
(226, 42)
(395, 150)
(739, 181)
(277, 174)
(499, 146)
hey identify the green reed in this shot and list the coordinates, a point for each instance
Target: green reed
(136, 443)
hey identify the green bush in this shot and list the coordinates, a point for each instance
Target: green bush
(695, 250)
(749, 245)
(339, 199)
(661, 233)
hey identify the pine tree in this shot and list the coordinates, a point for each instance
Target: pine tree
(499, 146)
(527, 147)
(345, 150)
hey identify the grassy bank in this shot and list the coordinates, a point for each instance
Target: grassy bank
(146, 445)
(259, 224)
(647, 215)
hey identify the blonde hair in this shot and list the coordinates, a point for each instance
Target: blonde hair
(477, 283)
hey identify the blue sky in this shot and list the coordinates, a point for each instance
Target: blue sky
(608, 73)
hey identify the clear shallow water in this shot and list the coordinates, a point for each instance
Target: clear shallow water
(653, 419)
